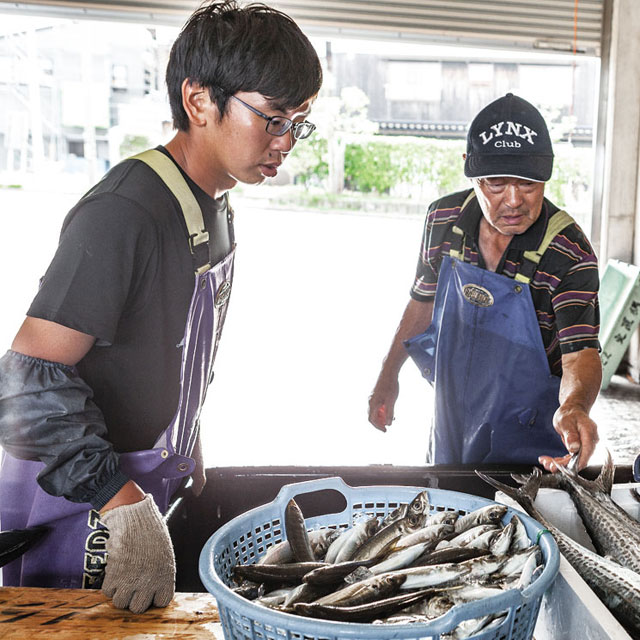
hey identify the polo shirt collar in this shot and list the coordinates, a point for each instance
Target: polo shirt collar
(469, 223)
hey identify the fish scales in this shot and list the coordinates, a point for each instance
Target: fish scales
(613, 531)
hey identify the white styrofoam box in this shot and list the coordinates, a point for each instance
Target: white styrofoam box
(570, 609)
(558, 507)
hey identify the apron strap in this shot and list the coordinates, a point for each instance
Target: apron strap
(457, 241)
(558, 221)
(171, 176)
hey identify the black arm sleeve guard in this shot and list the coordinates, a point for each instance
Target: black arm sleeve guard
(47, 414)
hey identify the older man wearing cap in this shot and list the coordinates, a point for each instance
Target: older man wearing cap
(503, 316)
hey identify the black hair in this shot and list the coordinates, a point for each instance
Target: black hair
(227, 48)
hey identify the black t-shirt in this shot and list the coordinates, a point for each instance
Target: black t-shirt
(123, 273)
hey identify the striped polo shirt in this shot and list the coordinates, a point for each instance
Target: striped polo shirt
(564, 287)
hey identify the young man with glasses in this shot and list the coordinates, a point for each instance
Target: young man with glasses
(101, 391)
(503, 317)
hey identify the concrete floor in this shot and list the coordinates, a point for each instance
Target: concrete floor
(617, 412)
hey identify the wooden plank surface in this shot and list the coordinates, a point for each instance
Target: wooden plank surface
(76, 614)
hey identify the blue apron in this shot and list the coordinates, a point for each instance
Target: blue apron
(495, 395)
(72, 553)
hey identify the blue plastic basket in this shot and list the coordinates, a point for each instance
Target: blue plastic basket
(246, 538)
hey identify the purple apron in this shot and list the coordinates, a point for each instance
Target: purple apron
(72, 553)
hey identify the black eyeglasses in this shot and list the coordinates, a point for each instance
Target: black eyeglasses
(279, 125)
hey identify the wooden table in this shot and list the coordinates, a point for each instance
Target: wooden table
(32, 613)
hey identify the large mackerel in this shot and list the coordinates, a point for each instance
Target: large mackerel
(613, 531)
(617, 586)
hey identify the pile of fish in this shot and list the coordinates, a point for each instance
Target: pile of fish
(614, 572)
(409, 567)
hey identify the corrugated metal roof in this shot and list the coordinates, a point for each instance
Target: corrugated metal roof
(522, 24)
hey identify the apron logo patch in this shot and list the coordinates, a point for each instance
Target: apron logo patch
(477, 295)
(223, 293)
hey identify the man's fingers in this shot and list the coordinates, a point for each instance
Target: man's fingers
(551, 464)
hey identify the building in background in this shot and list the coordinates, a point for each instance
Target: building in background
(79, 95)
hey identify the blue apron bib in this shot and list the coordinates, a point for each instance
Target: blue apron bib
(495, 395)
(72, 553)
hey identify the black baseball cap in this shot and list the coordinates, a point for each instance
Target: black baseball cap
(510, 138)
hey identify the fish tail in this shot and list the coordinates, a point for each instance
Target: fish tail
(525, 494)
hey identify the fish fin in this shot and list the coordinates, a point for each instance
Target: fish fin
(522, 495)
(547, 480)
(605, 479)
(603, 483)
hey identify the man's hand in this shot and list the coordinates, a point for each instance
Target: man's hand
(382, 402)
(578, 432)
(415, 319)
(141, 568)
(581, 378)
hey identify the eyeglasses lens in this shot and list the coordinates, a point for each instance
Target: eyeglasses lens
(279, 126)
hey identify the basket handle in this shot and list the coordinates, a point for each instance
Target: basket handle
(289, 491)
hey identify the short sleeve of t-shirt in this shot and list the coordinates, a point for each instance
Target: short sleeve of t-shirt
(441, 214)
(106, 244)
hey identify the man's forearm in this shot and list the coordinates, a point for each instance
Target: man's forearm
(415, 320)
(47, 414)
(581, 379)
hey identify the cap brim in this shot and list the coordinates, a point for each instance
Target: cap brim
(530, 167)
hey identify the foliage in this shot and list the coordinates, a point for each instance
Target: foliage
(337, 118)
(309, 162)
(572, 170)
(132, 144)
(383, 163)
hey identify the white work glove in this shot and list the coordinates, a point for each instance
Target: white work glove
(141, 567)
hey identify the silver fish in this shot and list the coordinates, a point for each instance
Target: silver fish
(419, 505)
(466, 536)
(281, 553)
(336, 545)
(491, 514)
(397, 514)
(400, 559)
(433, 575)
(431, 533)
(474, 626)
(442, 517)
(528, 572)
(297, 533)
(303, 593)
(358, 535)
(520, 536)
(374, 588)
(450, 554)
(617, 586)
(410, 523)
(364, 612)
(501, 543)
(292, 572)
(515, 562)
(484, 540)
(335, 573)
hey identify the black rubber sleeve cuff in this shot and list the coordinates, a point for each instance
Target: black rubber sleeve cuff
(109, 490)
